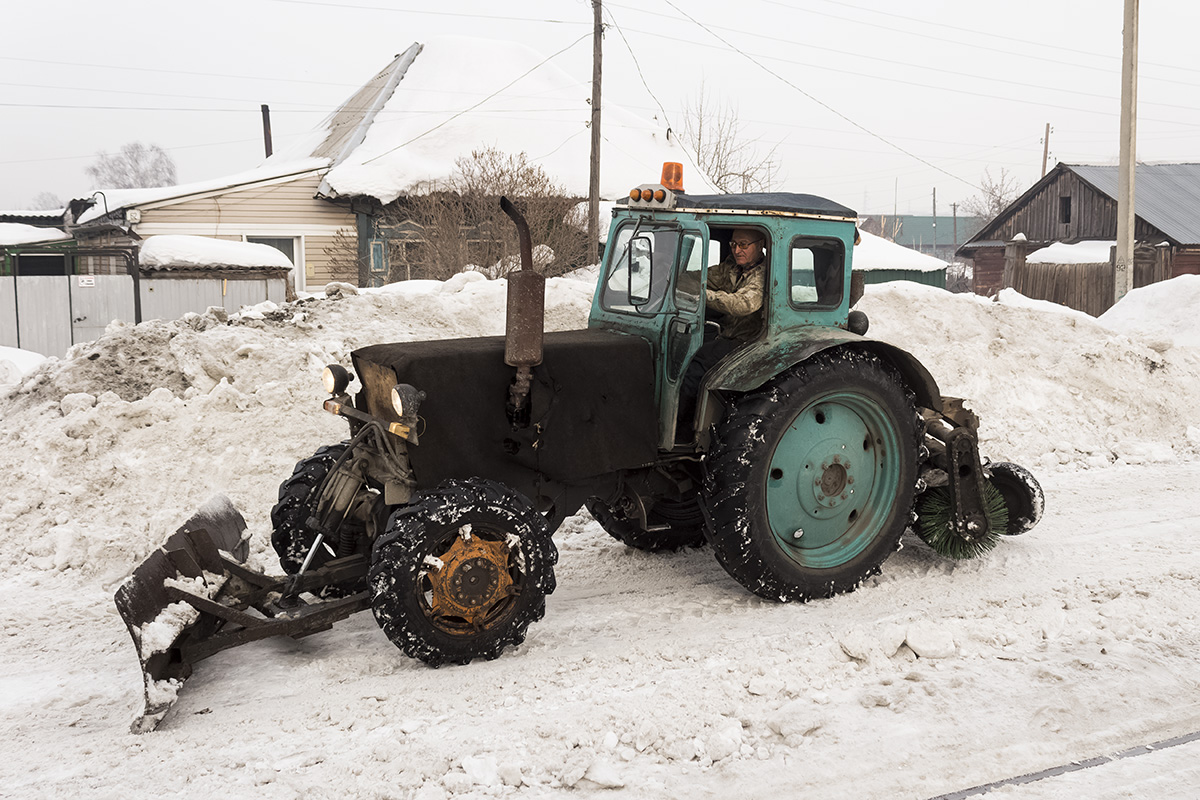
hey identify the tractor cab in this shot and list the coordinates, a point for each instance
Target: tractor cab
(662, 245)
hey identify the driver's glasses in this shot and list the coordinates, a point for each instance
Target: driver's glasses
(736, 245)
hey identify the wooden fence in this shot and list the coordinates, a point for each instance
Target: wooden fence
(1084, 287)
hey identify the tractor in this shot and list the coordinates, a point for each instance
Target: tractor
(803, 457)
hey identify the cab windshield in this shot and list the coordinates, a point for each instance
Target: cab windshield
(637, 277)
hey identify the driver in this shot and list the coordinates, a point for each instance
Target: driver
(735, 287)
(734, 298)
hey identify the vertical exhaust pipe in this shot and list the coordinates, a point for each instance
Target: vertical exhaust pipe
(524, 321)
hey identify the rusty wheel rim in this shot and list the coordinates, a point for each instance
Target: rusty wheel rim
(469, 581)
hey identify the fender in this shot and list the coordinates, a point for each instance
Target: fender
(749, 367)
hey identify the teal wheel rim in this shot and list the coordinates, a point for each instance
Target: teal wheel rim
(833, 479)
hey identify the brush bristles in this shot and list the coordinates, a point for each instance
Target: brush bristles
(933, 523)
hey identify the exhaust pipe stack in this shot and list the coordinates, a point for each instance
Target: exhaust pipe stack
(525, 319)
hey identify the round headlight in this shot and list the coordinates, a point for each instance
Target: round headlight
(335, 379)
(406, 400)
(397, 401)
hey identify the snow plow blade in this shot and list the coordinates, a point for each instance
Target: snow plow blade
(194, 597)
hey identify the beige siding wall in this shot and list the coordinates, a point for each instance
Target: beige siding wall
(285, 209)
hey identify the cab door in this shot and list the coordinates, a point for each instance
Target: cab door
(683, 332)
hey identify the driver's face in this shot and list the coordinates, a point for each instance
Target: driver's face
(746, 251)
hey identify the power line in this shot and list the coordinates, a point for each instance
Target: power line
(654, 97)
(874, 77)
(824, 105)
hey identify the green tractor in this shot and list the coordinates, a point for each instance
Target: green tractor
(801, 457)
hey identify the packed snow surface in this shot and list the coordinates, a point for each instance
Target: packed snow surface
(175, 251)
(651, 675)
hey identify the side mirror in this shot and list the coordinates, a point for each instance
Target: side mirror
(639, 269)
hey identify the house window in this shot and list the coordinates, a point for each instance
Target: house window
(285, 245)
(1064, 210)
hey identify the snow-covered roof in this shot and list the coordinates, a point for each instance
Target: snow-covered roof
(201, 252)
(876, 253)
(1090, 252)
(19, 233)
(109, 200)
(441, 100)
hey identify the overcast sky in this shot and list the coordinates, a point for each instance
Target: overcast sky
(872, 103)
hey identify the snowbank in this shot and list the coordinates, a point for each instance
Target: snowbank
(15, 363)
(1162, 312)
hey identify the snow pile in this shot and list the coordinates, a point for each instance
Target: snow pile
(1160, 312)
(133, 431)
(179, 252)
(15, 362)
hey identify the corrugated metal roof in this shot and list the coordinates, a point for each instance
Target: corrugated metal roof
(1165, 195)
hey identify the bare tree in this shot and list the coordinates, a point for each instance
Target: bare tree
(995, 195)
(46, 201)
(457, 224)
(729, 160)
(135, 166)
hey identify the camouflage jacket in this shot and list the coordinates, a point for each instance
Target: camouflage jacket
(737, 296)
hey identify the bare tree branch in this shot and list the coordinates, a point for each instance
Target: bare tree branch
(457, 224)
(730, 161)
(136, 166)
(997, 195)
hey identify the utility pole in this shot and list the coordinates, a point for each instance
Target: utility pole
(934, 251)
(594, 177)
(1045, 149)
(266, 115)
(954, 211)
(1123, 268)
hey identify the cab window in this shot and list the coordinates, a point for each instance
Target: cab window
(638, 273)
(815, 272)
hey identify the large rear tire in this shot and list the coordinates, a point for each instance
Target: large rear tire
(683, 519)
(811, 477)
(462, 573)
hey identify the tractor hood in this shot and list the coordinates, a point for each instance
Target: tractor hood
(592, 407)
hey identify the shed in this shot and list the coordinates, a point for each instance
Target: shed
(1076, 203)
(881, 261)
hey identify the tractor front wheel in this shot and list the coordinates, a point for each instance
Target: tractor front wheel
(811, 479)
(462, 573)
(291, 536)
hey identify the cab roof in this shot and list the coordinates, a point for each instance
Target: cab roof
(762, 202)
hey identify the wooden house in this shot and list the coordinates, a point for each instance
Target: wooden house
(1075, 203)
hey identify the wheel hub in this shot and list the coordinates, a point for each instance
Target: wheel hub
(470, 580)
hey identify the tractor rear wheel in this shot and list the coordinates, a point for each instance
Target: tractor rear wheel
(678, 524)
(291, 536)
(462, 573)
(811, 478)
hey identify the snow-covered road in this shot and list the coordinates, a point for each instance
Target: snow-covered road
(660, 674)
